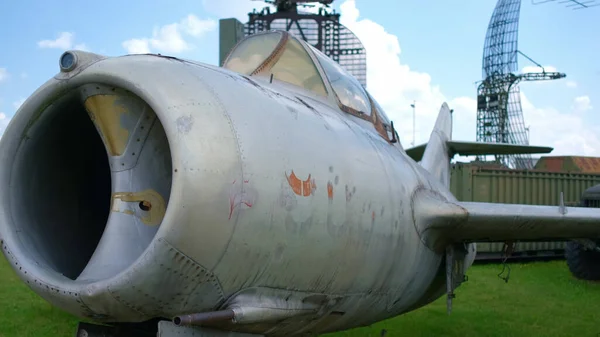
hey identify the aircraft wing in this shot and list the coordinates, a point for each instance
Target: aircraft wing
(443, 222)
(479, 148)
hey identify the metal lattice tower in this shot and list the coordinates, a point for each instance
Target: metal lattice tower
(322, 30)
(499, 112)
(574, 4)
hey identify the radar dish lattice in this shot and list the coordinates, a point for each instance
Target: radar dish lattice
(499, 112)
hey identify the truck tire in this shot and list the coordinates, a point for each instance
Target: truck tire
(584, 264)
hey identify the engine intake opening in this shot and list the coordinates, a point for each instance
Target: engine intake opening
(61, 187)
(75, 205)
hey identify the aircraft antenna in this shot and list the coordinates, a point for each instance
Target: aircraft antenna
(499, 112)
(321, 29)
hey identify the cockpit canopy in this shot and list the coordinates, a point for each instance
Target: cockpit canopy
(288, 59)
(276, 53)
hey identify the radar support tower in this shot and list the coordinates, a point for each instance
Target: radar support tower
(499, 112)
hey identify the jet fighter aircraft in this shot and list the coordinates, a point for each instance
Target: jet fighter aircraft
(267, 197)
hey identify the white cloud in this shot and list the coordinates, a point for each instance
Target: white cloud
(395, 85)
(571, 84)
(136, 46)
(17, 104)
(568, 133)
(582, 104)
(311, 8)
(3, 74)
(536, 69)
(169, 38)
(82, 47)
(24, 75)
(197, 27)
(64, 41)
(4, 120)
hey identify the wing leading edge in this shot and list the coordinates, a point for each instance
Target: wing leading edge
(442, 222)
(478, 148)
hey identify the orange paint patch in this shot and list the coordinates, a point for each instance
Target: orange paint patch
(300, 187)
(330, 190)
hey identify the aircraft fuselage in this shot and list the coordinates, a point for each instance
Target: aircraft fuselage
(275, 194)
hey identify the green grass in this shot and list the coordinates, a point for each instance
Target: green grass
(23, 313)
(541, 299)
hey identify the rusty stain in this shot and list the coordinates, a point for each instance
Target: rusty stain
(330, 190)
(587, 164)
(155, 213)
(569, 163)
(106, 113)
(300, 187)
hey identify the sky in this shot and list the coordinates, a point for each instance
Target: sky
(428, 52)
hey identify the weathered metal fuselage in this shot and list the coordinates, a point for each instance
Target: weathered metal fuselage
(274, 194)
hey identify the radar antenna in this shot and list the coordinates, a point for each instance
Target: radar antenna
(286, 5)
(574, 4)
(499, 111)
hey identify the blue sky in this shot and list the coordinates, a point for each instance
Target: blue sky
(428, 51)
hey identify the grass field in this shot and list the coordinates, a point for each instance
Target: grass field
(541, 299)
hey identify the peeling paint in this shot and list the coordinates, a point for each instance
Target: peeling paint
(184, 124)
(121, 202)
(241, 196)
(106, 112)
(301, 187)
